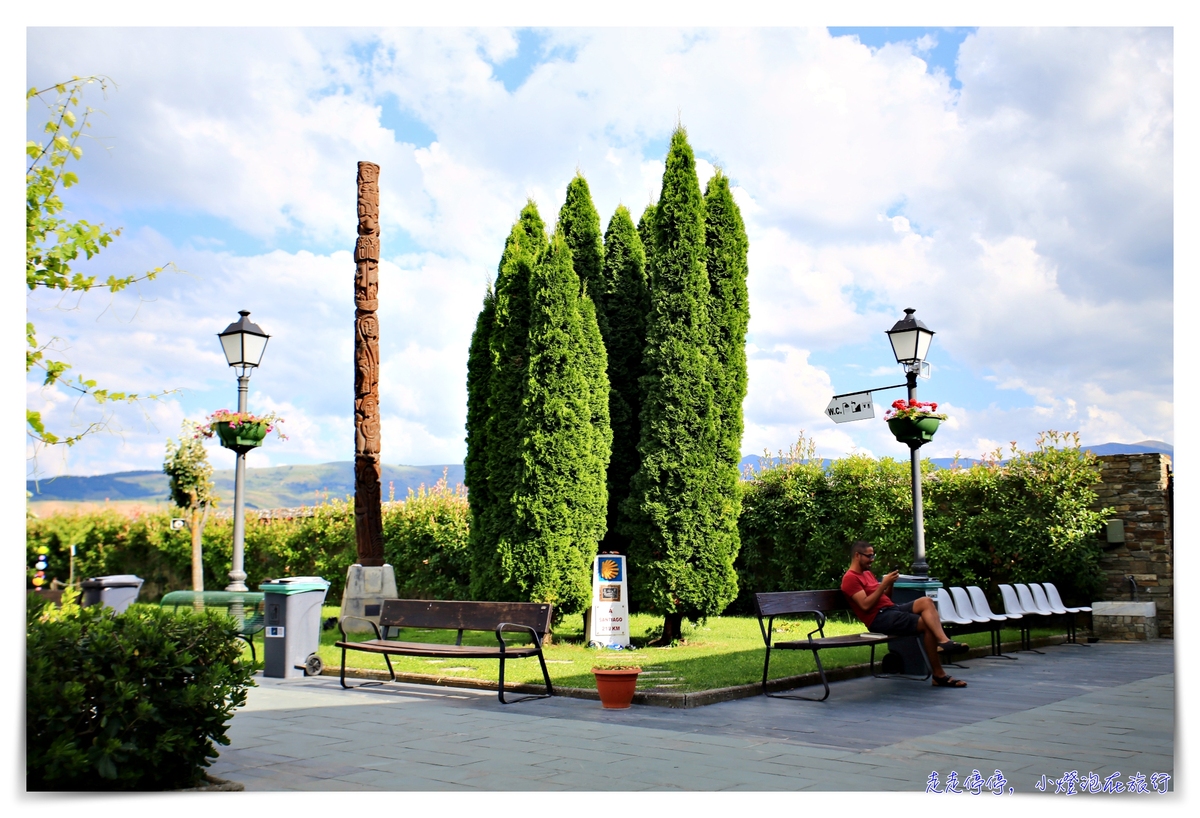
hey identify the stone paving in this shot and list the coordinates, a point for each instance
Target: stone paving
(1104, 708)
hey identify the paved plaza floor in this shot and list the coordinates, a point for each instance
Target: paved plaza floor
(1104, 708)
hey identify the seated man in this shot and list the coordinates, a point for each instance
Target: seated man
(869, 601)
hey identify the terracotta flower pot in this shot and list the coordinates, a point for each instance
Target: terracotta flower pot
(918, 429)
(616, 685)
(244, 436)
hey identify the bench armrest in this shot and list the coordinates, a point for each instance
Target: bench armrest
(820, 626)
(360, 619)
(503, 626)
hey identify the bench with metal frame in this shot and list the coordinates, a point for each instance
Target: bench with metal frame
(818, 604)
(247, 608)
(531, 618)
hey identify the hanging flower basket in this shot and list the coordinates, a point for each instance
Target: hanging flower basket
(616, 685)
(913, 421)
(240, 431)
(914, 430)
(242, 435)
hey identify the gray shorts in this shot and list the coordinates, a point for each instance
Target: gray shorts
(896, 620)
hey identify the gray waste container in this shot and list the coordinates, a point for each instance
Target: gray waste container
(293, 626)
(117, 591)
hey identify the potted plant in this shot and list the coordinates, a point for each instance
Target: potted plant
(616, 685)
(240, 431)
(912, 421)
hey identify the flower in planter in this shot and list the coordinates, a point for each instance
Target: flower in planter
(913, 409)
(236, 419)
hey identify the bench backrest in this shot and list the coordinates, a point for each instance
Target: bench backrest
(796, 602)
(467, 616)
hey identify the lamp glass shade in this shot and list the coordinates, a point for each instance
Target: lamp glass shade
(243, 342)
(910, 339)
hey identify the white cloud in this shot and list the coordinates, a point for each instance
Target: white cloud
(1027, 216)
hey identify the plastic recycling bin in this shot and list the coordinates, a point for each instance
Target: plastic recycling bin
(293, 626)
(117, 591)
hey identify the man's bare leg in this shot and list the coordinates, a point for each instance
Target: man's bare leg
(931, 651)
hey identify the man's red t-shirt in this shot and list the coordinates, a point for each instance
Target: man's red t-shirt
(852, 583)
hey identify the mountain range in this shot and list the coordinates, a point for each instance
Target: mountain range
(293, 486)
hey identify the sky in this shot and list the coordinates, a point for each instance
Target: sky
(1014, 185)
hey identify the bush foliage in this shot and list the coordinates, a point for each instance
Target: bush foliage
(128, 702)
(1029, 519)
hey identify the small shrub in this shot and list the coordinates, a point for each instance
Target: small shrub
(133, 701)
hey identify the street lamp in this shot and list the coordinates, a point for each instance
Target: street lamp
(910, 342)
(243, 342)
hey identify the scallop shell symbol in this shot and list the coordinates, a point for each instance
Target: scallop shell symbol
(608, 569)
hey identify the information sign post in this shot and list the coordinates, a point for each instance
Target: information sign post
(610, 601)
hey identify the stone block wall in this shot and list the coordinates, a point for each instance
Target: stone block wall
(1137, 487)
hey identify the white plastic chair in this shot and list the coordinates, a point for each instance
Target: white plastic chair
(1052, 593)
(1043, 602)
(1043, 598)
(1012, 605)
(980, 604)
(1028, 602)
(962, 604)
(946, 609)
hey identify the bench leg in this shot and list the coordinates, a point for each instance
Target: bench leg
(766, 664)
(342, 675)
(820, 672)
(1071, 640)
(996, 652)
(545, 676)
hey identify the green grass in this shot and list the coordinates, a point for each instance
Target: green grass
(722, 652)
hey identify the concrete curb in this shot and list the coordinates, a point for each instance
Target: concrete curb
(681, 700)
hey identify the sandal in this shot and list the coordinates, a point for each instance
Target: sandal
(950, 646)
(948, 681)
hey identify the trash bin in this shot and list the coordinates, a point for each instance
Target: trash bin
(904, 655)
(117, 591)
(293, 626)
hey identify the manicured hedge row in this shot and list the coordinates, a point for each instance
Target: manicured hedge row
(1028, 520)
(424, 538)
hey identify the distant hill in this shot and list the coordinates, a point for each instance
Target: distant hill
(292, 486)
(275, 487)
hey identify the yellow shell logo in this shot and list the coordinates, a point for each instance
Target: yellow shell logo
(608, 569)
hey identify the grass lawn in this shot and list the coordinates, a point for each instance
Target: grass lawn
(722, 652)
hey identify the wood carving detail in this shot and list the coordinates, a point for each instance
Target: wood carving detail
(368, 509)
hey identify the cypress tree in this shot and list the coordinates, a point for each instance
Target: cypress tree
(627, 301)
(579, 223)
(507, 384)
(561, 502)
(681, 523)
(729, 316)
(479, 371)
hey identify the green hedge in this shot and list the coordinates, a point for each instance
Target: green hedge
(424, 539)
(1029, 519)
(128, 702)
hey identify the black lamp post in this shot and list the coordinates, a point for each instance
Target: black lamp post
(910, 342)
(244, 343)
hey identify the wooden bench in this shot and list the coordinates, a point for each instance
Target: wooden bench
(247, 608)
(531, 618)
(818, 604)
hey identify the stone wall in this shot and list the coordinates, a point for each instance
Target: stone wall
(1137, 487)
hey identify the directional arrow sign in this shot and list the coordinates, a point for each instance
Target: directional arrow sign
(845, 408)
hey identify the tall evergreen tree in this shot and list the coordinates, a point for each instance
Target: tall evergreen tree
(507, 385)
(479, 373)
(729, 316)
(564, 437)
(627, 301)
(682, 525)
(580, 225)
(645, 230)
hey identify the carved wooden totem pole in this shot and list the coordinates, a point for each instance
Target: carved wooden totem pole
(368, 515)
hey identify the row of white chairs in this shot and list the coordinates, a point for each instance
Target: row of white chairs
(968, 609)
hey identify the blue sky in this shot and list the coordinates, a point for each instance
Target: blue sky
(1013, 185)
